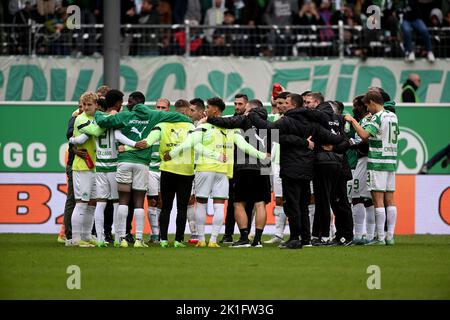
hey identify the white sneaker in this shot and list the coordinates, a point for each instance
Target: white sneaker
(411, 57)
(275, 239)
(70, 243)
(430, 56)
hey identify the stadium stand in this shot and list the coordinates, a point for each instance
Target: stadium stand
(320, 28)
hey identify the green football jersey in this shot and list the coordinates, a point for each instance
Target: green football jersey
(384, 130)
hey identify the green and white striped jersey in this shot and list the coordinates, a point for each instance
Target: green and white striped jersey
(383, 128)
(106, 152)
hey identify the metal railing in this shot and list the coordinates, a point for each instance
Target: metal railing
(267, 41)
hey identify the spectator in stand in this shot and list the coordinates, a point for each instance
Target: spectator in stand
(348, 17)
(214, 17)
(165, 12)
(86, 40)
(196, 41)
(325, 13)
(128, 15)
(14, 6)
(436, 18)
(128, 12)
(187, 10)
(46, 9)
(20, 21)
(245, 11)
(308, 15)
(409, 93)
(149, 12)
(224, 38)
(149, 15)
(412, 20)
(194, 11)
(280, 13)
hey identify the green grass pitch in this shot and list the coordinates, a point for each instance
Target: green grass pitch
(34, 267)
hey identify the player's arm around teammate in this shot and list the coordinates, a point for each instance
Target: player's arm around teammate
(382, 132)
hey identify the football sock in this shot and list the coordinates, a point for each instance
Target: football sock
(115, 219)
(380, 220)
(88, 223)
(370, 222)
(191, 219)
(332, 226)
(312, 210)
(244, 234)
(99, 217)
(200, 220)
(217, 220)
(391, 216)
(280, 221)
(122, 213)
(153, 219)
(258, 234)
(139, 219)
(77, 220)
(359, 215)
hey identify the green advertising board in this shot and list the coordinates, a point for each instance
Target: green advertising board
(65, 79)
(33, 137)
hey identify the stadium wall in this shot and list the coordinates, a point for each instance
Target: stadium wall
(64, 79)
(33, 185)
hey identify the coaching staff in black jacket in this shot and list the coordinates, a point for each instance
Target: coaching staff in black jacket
(330, 181)
(297, 134)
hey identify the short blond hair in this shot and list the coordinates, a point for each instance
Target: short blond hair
(89, 96)
(103, 90)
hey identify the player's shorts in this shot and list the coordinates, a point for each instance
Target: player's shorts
(361, 180)
(106, 185)
(211, 184)
(154, 183)
(84, 185)
(134, 174)
(251, 186)
(383, 181)
(311, 187)
(276, 181)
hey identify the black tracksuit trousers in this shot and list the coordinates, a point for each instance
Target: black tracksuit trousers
(296, 196)
(180, 185)
(342, 210)
(325, 181)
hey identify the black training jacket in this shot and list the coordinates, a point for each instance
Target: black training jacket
(324, 114)
(296, 160)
